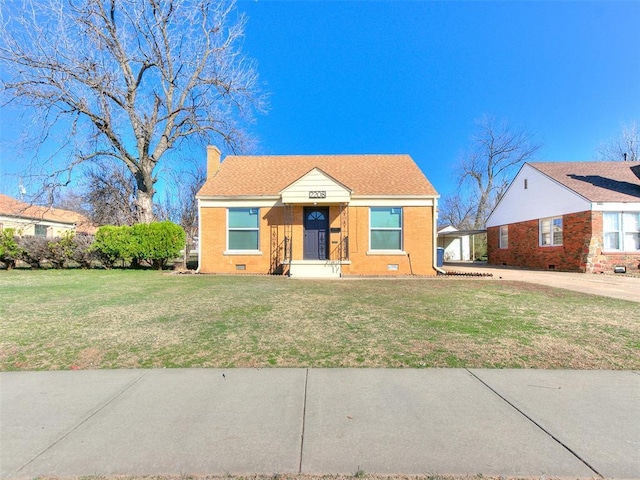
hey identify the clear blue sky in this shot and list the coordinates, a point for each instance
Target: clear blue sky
(413, 76)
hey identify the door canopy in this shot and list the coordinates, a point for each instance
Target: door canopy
(316, 187)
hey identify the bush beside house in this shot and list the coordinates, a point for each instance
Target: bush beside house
(155, 244)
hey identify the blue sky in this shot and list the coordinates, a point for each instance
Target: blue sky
(414, 76)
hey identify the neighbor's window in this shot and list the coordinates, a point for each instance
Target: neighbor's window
(621, 231)
(243, 228)
(504, 236)
(385, 228)
(40, 230)
(551, 231)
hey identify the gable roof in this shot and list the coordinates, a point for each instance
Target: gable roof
(268, 175)
(596, 181)
(15, 208)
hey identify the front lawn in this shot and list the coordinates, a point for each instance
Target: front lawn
(74, 319)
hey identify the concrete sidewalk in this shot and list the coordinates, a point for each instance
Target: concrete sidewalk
(320, 421)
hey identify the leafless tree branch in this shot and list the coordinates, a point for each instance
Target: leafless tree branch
(134, 77)
(497, 150)
(624, 147)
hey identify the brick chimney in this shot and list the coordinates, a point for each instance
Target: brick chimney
(213, 160)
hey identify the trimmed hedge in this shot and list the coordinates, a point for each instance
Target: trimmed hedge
(155, 243)
(158, 242)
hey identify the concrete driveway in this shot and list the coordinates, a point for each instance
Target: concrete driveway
(623, 287)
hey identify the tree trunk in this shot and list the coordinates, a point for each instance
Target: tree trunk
(144, 196)
(144, 207)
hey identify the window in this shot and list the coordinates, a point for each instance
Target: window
(40, 231)
(551, 231)
(315, 215)
(243, 228)
(385, 228)
(504, 236)
(621, 231)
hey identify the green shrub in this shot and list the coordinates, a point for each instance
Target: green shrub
(158, 242)
(9, 248)
(114, 243)
(155, 243)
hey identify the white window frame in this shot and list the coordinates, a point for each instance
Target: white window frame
(623, 232)
(400, 229)
(504, 236)
(551, 232)
(247, 251)
(39, 226)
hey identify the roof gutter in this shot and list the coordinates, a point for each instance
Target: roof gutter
(434, 240)
(199, 237)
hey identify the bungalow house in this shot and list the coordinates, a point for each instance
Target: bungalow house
(317, 216)
(571, 216)
(28, 219)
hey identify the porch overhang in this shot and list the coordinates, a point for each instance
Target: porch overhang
(317, 188)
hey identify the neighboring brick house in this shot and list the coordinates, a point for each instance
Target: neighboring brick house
(28, 219)
(570, 216)
(317, 215)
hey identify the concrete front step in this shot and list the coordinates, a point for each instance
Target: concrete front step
(315, 269)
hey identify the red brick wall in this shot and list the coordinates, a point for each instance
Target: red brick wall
(524, 249)
(581, 249)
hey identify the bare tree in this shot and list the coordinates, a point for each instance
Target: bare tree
(129, 79)
(110, 194)
(626, 147)
(458, 211)
(74, 201)
(497, 151)
(180, 204)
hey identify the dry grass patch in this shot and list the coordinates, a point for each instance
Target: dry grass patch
(141, 319)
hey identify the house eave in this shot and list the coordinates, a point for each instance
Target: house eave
(32, 219)
(237, 197)
(396, 196)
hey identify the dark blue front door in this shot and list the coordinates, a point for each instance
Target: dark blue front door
(316, 224)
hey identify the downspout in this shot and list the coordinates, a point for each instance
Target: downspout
(199, 238)
(435, 238)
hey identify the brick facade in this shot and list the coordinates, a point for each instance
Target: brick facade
(581, 249)
(418, 245)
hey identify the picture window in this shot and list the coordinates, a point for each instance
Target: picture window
(385, 231)
(243, 229)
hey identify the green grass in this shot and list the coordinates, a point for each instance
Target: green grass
(73, 319)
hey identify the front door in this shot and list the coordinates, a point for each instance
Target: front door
(316, 225)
